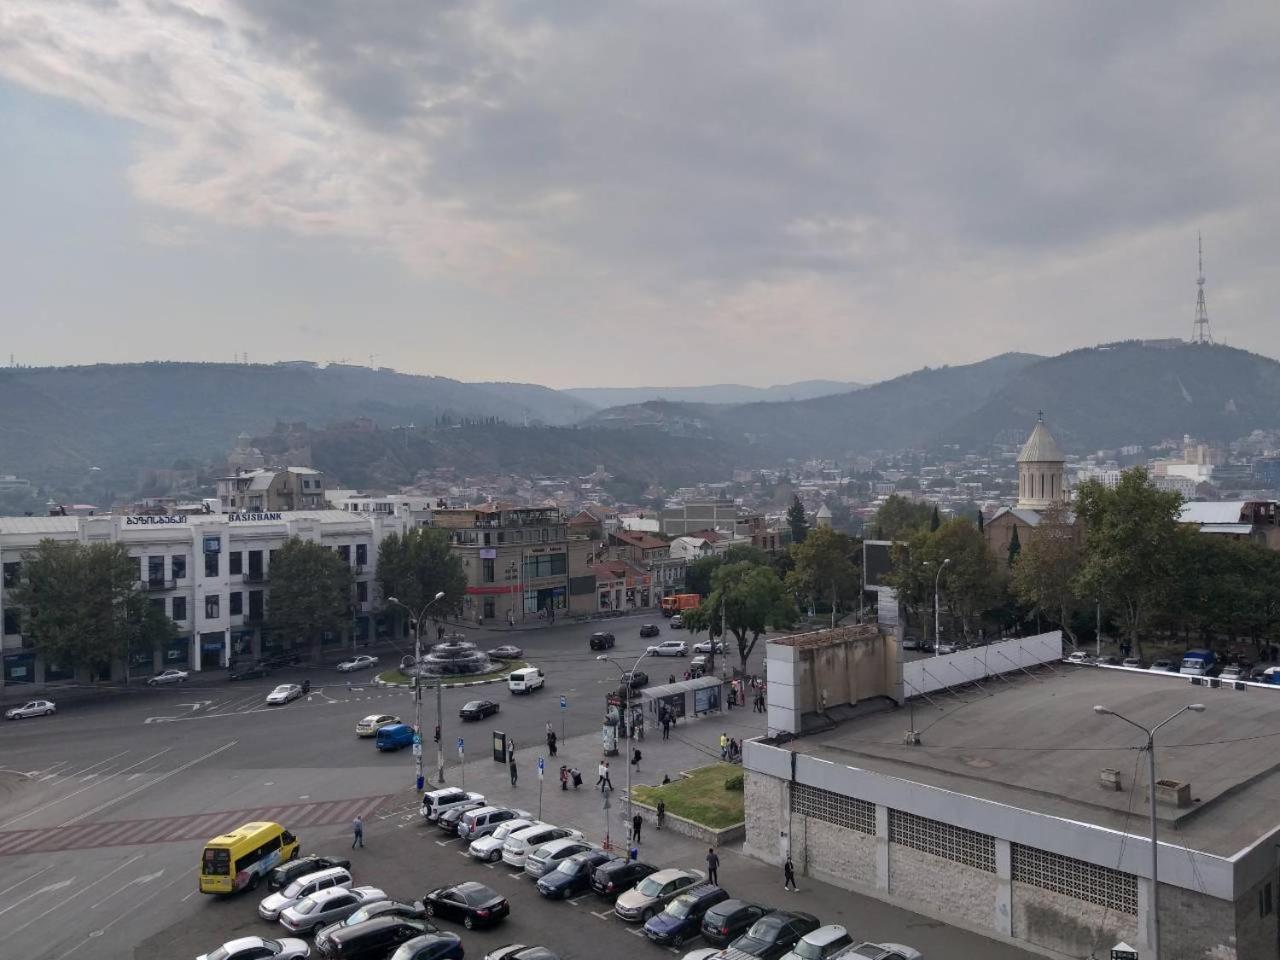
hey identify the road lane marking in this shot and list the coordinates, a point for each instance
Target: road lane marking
(49, 888)
(25, 879)
(101, 930)
(62, 903)
(136, 881)
(76, 793)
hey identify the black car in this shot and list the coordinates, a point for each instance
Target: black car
(682, 917)
(649, 630)
(618, 876)
(436, 946)
(728, 920)
(573, 874)
(473, 903)
(518, 951)
(775, 933)
(601, 641)
(478, 709)
(286, 873)
(247, 670)
(635, 679)
(372, 935)
(449, 820)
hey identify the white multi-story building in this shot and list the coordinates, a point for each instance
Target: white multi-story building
(209, 573)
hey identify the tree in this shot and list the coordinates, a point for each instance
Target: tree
(982, 523)
(746, 553)
(413, 567)
(935, 519)
(969, 584)
(753, 599)
(697, 575)
(826, 568)
(1131, 540)
(1015, 548)
(898, 518)
(310, 593)
(1044, 574)
(797, 520)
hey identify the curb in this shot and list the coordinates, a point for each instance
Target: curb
(469, 683)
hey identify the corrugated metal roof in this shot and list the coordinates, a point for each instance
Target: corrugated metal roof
(1212, 511)
(1041, 447)
(39, 525)
(1236, 529)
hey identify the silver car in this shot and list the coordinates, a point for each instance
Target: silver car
(251, 948)
(32, 708)
(550, 855)
(324, 907)
(489, 849)
(168, 676)
(272, 906)
(651, 894)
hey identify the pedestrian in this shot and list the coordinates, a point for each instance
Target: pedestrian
(666, 727)
(789, 875)
(512, 765)
(713, 865)
(665, 779)
(724, 746)
(608, 783)
(551, 743)
(511, 750)
(602, 773)
(671, 679)
(357, 832)
(549, 728)
(564, 777)
(662, 813)
(348, 684)
(636, 823)
(635, 757)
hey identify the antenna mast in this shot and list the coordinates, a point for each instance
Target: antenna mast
(1200, 328)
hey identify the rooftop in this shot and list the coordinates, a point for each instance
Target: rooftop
(1041, 447)
(1038, 745)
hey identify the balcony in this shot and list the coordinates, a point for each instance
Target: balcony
(256, 576)
(156, 584)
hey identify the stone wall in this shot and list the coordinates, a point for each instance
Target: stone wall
(838, 854)
(952, 889)
(1256, 935)
(764, 803)
(1196, 927)
(1068, 925)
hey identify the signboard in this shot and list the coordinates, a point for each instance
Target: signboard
(564, 702)
(499, 747)
(417, 739)
(253, 517)
(1122, 951)
(417, 748)
(488, 553)
(459, 746)
(212, 544)
(152, 521)
(706, 700)
(542, 767)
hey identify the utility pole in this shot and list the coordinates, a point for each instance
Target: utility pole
(416, 623)
(937, 628)
(626, 701)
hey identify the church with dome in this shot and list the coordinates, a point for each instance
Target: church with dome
(1042, 482)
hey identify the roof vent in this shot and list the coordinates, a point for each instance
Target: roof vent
(1175, 793)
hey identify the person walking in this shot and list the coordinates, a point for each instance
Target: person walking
(789, 875)
(551, 743)
(602, 773)
(564, 777)
(666, 726)
(662, 812)
(512, 765)
(636, 823)
(357, 832)
(724, 746)
(713, 865)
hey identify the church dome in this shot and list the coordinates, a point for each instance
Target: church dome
(1041, 447)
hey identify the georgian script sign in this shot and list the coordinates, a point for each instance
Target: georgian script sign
(145, 521)
(251, 517)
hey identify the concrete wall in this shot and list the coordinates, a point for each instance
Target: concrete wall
(1256, 935)
(928, 674)
(835, 854)
(1196, 927)
(951, 889)
(765, 802)
(1068, 925)
(849, 664)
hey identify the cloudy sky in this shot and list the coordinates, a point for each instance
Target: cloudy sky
(646, 193)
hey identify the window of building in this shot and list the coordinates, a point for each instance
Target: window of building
(344, 552)
(832, 807)
(155, 569)
(179, 608)
(255, 605)
(486, 570)
(1265, 904)
(1075, 878)
(488, 606)
(137, 568)
(235, 563)
(211, 607)
(211, 564)
(362, 554)
(362, 591)
(944, 840)
(178, 566)
(236, 603)
(12, 622)
(12, 573)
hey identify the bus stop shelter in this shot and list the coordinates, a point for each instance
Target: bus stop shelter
(684, 698)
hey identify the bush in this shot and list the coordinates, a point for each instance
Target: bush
(734, 783)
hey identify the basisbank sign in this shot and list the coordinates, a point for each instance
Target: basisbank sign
(250, 517)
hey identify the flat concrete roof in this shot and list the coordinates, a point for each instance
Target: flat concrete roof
(1036, 743)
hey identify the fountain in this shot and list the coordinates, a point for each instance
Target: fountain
(455, 656)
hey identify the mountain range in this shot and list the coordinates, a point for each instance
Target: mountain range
(714, 393)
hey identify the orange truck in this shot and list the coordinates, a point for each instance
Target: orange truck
(679, 603)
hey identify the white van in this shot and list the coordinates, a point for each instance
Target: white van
(436, 802)
(524, 680)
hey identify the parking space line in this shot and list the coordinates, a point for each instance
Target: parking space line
(577, 900)
(603, 914)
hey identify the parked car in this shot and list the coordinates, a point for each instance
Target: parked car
(448, 820)
(821, 943)
(518, 951)
(482, 821)
(1108, 661)
(520, 844)
(619, 875)
(371, 937)
(361, 662)
(653, 893)
(1163, 664)
(393, 736)
(393, 911)
(436, 802)
(286, 873)
(669, 648)
(434, 946)
(550, 855)
(285, 693)
(1134, 662)
(168, 676)
(601, 641)
(946, 646)
(251, 948)
(246, 671)
(910, 643)
(32, 708)
(682, 918)
(728, 920)
(775, 933)
(1235, 671)
(698, 665)
(471, 902)
(882, 951)
(506, 652)
(572, 875)
(478, 709)
(324, 907)
(489, 848)
(705, 646)
(635, 679)
(649, 630)
(370, 725)
(525, 680)
(676, 622)
(1079, 656)
(276, 903)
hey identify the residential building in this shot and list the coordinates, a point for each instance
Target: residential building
(1237, 519)
(273, 491)
(417, 508)
(651, 554)
(1185, 486)
(679, 519)
(622, 586)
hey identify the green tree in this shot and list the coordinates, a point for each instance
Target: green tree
(310, 593)
(826, 568)
(1131, 541)
(969, 585)
(413, 567)
(1015, 548)
(935, 519)
(697, 575)
(797, 520)
(746, 553)
(1044, 574)
(899, 518)
(982, 523)
(753, 600)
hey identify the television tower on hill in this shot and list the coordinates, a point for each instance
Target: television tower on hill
(1200, 328)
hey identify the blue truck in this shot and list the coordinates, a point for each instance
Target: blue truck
(1199, 663)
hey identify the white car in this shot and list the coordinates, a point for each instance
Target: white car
(489, 849)
(669, 648)
(251, 948)
(882, 951)
(284, 694)
(676, 622)
(370, 725)
(945, 647)
(1079, 656)
(436, 802)
(702, 953)
(357, 663)
(704, 646)
(820, 944)
(519, 845)
(1234, 672)
(168, 676)
(32, 708)
(324, 907)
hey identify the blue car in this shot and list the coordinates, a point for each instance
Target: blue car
(394, 737)
(682, 918)
(434, 946)
(573, 875)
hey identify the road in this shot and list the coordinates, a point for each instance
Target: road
(102, 833)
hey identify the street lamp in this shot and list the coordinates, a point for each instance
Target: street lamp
(937, 629)
(416, 623)
(626, 707)
(1154, 930)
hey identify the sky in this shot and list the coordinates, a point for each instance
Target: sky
(650, 193)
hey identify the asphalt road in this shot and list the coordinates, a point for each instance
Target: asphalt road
(105, 805)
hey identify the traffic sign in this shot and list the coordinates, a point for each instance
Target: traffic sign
(417, 740)
(417, 748)
(564, 702)
(542, 766)
(459, 743)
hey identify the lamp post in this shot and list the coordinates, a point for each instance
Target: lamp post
(1154, 927)
(626, 707)
(937, 620)
(416, 622)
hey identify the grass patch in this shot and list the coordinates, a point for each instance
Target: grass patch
(395, 676)
(704, 796)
